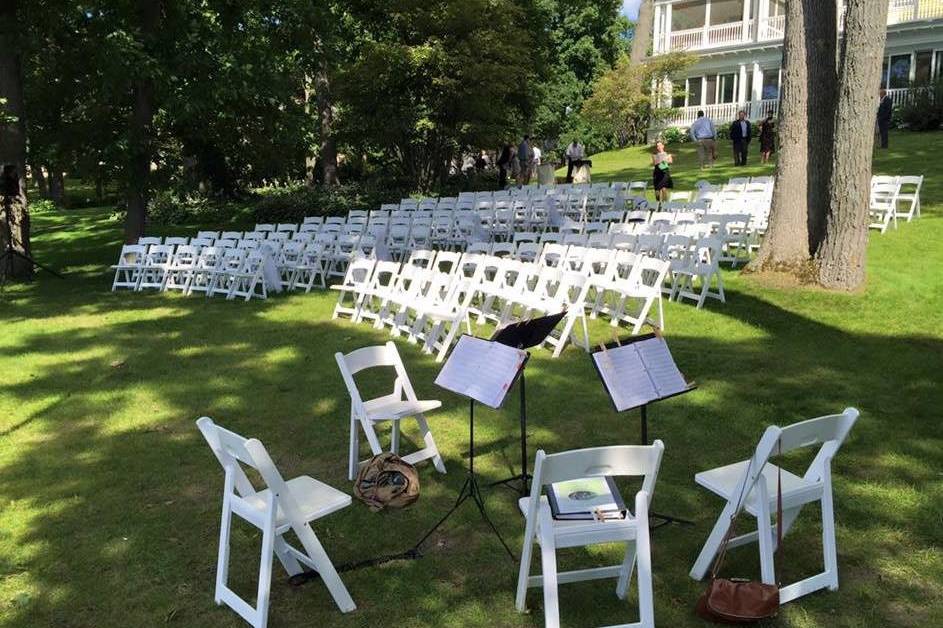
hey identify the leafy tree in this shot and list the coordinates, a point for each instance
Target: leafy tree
(434, 79)
(625, 100)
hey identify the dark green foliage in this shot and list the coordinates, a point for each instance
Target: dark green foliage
(294, 203)
(924, 110)
(674, 135)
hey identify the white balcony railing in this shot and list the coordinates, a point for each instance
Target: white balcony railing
(772, 28)
(715, 36)
(723, 113)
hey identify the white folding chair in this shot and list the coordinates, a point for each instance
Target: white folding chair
(149, 241)
(156, 262)
(401, 404)
(280, 507)
(129, 266)
(908, 195)
(633, 531)
(752, 485)
(356, 280)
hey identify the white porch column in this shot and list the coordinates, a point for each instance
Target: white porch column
(703, 90)
(745, 26)
(667, 17)
(707, 25)
(755, 11)
(742, 96)
(757, 82)
(762, 12)
(656, 30)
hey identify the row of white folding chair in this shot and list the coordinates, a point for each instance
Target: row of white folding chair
(232, 272)
(906, 200)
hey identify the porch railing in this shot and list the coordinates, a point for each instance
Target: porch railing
(772, 28)
(723, 113)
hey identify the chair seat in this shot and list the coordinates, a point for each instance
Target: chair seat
(383, 410)
(315, 499)
(578, 533)
(723, 482)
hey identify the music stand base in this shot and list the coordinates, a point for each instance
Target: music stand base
(664, 520)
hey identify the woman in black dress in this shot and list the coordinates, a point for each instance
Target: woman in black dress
(767, 137)
(661, 174)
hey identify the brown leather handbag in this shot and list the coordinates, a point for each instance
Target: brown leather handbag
(739, 601)
(387, 481)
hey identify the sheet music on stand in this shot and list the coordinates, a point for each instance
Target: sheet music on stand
(639, 372)
(482, 370)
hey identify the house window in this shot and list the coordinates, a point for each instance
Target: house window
(688, 15)
(749, 89)
(727, 91)
(770, 85)
(694, 91)
(937, 64)
(899, 72)
(726, 11)
(711, 89)
(884, 74)
(777, 7)
(924, 59)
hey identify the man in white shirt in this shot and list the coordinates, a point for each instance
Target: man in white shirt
(704, 135)
(538, 156)
(574, 152)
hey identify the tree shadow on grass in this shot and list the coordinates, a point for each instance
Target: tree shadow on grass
(115, 497)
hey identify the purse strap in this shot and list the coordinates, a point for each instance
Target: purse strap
(722, 552)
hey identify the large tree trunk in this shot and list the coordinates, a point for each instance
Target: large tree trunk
(39, 178)
(56, 183)
(786, 245)
(821, 32)
(841, 256)
(13, 146)
(642, 38)
(328, 153)
(140, 131)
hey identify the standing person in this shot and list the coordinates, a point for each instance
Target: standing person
(574, 153)
(885, 113)
(661, 173)
(741, 132)
(703, 133)
(767, 137)
(525, 157)
(504, 161)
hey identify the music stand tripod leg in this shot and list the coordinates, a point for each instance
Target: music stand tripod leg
(663, 519)
(524, 478)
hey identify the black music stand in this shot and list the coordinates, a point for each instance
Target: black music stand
(525, 335)
(492, 398)
(643, 407)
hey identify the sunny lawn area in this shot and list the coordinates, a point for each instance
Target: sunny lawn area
(109, 497)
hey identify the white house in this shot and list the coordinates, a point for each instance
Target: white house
(739, 45)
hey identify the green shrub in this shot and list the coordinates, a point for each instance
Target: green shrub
(674, 135)
(169, 207)
(41, 206)
(293, 203)
(924, 110)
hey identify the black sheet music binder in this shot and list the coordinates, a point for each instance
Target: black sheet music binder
(638, 371)
(527, 334)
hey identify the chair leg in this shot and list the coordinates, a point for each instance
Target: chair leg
(285, 557)
(265, 570)
(353, 464)
(222, 560)
(712, 544)
(548, 564)
(430, 443)
(628, 566)
(829, 546)
(372, 438)
(325, 568)
(646, 595)
(527, 553)
(765, 539)
(394, 437)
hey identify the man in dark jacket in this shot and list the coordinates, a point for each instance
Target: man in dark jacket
(741, 131)
(885, 113)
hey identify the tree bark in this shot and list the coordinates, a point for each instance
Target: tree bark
(14, 226)
(39, 178)
(140, 128)
(325, 104)
(821, 32)
(786, 244)
(642, 38)
(841, 256)
(56, 182)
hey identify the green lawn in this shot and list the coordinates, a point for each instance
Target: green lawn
(109, 498)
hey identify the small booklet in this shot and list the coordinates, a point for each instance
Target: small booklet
(639, 372)
(482, 370)
(585, 499)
